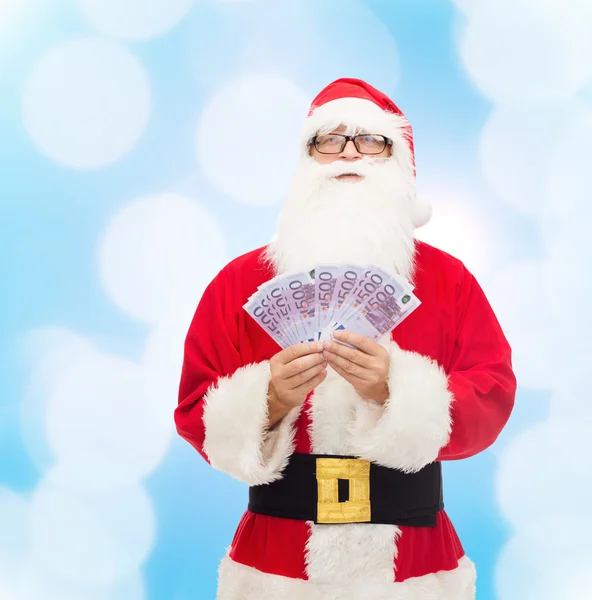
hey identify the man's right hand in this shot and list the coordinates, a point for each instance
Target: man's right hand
(295, 372)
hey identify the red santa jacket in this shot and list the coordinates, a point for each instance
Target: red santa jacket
(451, 392)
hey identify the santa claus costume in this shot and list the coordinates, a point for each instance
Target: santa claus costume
(451, 382)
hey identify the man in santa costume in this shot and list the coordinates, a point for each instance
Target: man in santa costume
(372, 422)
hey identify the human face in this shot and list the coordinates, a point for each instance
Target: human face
(327, 221)
(349, 154)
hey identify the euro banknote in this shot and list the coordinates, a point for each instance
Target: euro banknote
(309, 306)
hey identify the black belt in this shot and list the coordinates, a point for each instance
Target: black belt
(342, 489)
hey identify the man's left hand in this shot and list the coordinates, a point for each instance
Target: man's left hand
(366, 366)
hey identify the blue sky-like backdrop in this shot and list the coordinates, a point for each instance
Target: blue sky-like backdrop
(145, 143)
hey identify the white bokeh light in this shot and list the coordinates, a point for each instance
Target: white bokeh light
(14, 539)
(38, 583)
(526, 301)
(586, 93)
(86, 539)
(9, 590)
(248, 137)
(132, 588)
(11, 12)
(158, 254)
(565, 237)
(466, 5)
(103, 425)
(565, 226)
(571, 396)
(313, 43)
(570, 172)
(49, 352)
(457, 228)
(134, 19)
(20, 21)
(86, 102)
(8, 8)
(518, 151)
(569, 268)
(543, 462)
(521, 51)
(163, 358)
(547, 560)
(577, 582)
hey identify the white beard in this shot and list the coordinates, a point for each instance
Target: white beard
(363, 222)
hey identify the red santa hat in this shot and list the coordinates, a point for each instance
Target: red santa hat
(356, 104)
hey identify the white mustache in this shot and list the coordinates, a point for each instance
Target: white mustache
(362, 167)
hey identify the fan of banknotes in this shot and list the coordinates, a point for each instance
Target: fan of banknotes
(302, 307)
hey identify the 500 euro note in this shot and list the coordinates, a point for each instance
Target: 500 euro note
(277, 289)
(382, 315)
(374, 284)
(300, 288)
(325, 284)
(309, 306)
(268, 318)
(346, 280)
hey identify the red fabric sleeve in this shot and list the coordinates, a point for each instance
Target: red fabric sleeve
(211, 352)
(480, 379)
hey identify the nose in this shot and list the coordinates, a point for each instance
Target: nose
(350, 152)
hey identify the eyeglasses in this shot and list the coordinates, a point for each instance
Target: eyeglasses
(365, 143)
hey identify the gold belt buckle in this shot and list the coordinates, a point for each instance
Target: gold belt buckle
(357, 472)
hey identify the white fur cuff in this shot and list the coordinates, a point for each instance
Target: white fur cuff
(408, 432)
(235, 420)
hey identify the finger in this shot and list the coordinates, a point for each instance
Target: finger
(311, 384)
(302, 364)
(355, 381)
(297, 350)
(352, 354)
(360, 373)
(362, 342)
(305, 376)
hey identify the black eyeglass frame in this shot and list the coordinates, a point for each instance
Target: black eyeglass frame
(353, 138)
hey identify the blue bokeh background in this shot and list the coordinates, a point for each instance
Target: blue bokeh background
(55, 212)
